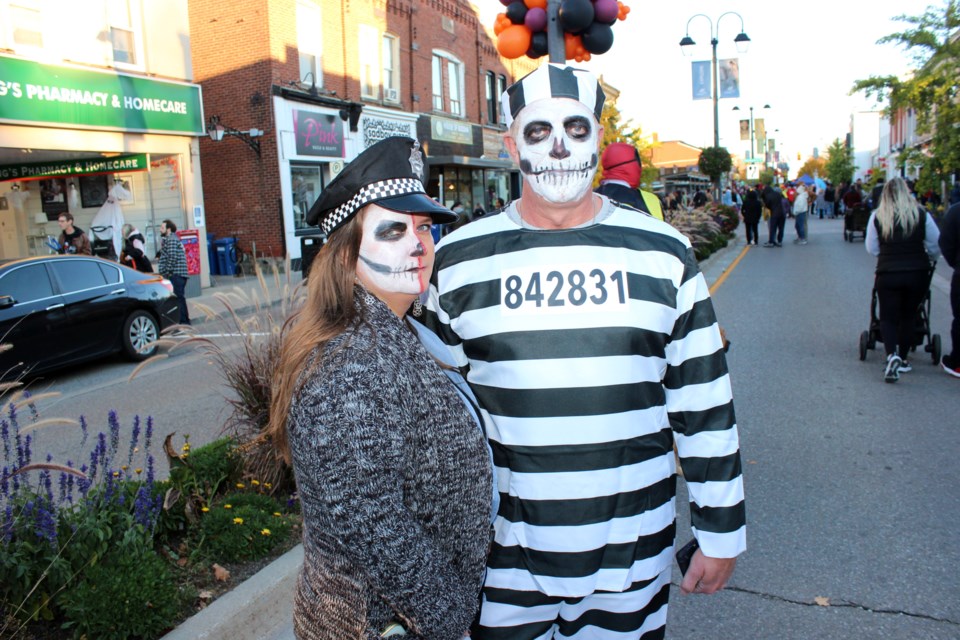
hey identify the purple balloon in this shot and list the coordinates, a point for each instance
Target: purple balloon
(536, 19)
(506, 2)
(606, 11)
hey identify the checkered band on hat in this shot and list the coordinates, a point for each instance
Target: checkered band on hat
(553, 81)
(370, 193)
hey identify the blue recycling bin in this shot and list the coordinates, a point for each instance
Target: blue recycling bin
(227, 256)
(212, 255)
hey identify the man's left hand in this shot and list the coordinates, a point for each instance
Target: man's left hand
(707, 575)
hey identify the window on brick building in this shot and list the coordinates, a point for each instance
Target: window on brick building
(310, 42)
(448, 84)
(369, 62)
(501, 87)
(491, 87)
(389, 60)
(126, 33)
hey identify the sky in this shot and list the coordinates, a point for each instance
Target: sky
(802, 60)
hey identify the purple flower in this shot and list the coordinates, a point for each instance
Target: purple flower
(133, 439)
(83, 430)
(46, 522)
(149, 435)
(114, 423)
(5, 436)
(6, 530)
(27, 453)
(62, 483)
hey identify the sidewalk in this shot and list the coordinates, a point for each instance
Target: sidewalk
(261, 608)
(242, 292)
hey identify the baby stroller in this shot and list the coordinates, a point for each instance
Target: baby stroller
(855, 221)
(102, 243)
(921, 326)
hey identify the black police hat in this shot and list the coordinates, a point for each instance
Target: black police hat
(388, 173)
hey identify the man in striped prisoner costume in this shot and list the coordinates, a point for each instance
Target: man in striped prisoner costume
(588, 335)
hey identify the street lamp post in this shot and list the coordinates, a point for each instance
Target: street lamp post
(742, 41)
(737, 108)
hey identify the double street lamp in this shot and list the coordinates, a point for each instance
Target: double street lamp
(742, 41)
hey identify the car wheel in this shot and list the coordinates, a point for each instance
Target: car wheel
(139, 330)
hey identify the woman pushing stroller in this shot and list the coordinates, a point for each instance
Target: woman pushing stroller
(904, 238)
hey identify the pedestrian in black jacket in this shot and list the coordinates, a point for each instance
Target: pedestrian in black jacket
(772, 199)
(950, 247)
(752, 211)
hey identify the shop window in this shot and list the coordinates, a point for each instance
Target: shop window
(26, 25)
(306, 182)
(125, 32)
(310, 43)
(448, 85)
(491, 87)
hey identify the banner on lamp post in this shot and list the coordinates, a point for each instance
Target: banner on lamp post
(744, 129)
(729, 77)
(701, 80)
(759, 128)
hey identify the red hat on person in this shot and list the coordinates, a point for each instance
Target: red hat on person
(620, 161)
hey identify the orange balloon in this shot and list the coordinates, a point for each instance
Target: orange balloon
(624, 10)
(514, 41)
(498, 25)
(536, 4)
(570, 42)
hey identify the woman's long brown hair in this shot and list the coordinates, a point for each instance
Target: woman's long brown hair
(328, 311)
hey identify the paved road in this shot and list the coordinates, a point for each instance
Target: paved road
(183, 394)
(851, 483)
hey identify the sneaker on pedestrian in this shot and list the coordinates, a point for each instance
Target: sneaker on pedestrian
(951, 366)
(803, 242)
(892, 371)
(905, 366)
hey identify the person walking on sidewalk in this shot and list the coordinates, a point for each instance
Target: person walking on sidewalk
(950, 246)
(172, 265)
(588, 335)
(394, 475)
(904, 239)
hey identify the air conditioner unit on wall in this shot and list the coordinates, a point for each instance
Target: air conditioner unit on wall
(391, 95)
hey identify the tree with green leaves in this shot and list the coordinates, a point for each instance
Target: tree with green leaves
(616, 130)
(839, 166)
(933, 40)
(715, 162)
(814, 167)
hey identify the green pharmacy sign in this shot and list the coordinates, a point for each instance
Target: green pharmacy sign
(34, 93)
(85, 167)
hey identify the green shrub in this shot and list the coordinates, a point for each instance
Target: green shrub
(243, 526)
(129, 594)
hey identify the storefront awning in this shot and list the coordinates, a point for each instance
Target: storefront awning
(480, 163)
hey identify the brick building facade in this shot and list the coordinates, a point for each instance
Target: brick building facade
(325, 79)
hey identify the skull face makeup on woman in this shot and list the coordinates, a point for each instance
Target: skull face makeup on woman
(396, 253)
(557, 142)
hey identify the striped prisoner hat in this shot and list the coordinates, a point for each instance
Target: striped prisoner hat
(388, 173)
(553, 81)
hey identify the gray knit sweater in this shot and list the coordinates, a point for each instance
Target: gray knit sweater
(395, 484)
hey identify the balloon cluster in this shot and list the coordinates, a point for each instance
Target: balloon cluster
(587, 27)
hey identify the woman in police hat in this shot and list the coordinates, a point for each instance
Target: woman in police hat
(394, 474)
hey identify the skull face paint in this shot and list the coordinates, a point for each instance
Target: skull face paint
(557, 144)
(396, 252)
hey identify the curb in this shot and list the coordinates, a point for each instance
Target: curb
(260, 607)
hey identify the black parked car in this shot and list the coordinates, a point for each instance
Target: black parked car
(59, 310)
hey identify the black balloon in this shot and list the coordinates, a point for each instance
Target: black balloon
(538, 45)
(575, 15)
(516, 11)
(598, 38)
